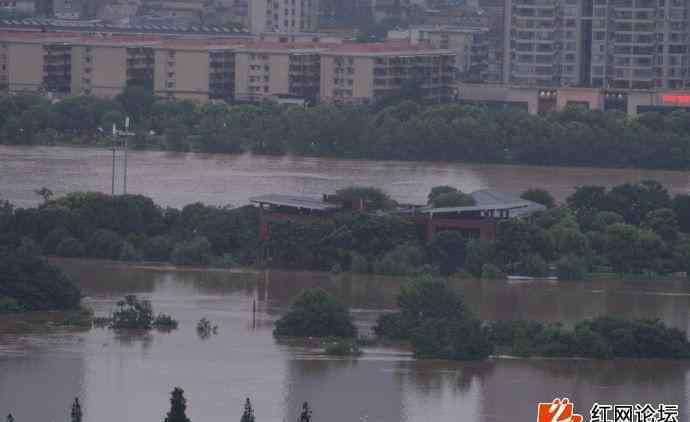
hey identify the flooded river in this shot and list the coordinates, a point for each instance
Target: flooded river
(177, 179)
(128, 378)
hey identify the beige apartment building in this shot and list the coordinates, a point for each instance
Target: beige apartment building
(266, 71)
(363, 73)
(201, 70)
(471, 47)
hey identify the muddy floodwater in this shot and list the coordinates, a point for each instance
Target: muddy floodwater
(177, 179)
(128, 377)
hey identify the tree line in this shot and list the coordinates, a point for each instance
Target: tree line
(434, 320)
(630, 228)
(178, 410)
(401, 130)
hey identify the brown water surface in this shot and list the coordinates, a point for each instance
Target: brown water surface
(177, 179)
(128, 377)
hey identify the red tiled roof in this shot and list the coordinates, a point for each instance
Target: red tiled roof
(382, 47)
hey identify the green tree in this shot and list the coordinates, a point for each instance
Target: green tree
(681, 205)
(248, 415)
(196, 251)
(447, 250)
(539, 196)
(516, 239)
(634, 201)
(316, 313)
(435, 320)
(136, 101)
(375, 198)
(178, 407)
(663, 222)
(439, 190)
(453, 199)
(133, 313)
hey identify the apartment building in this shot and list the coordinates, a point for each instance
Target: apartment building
(18, 6)
(189, 10)
(543, 46)
(639, 44)
(268, 71)
(185, 71)
(471, 47)
(283, 16)
(68, 9)
(363, 73)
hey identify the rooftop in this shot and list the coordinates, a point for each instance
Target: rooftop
(388, 47)
(491, 200)
(294, 202)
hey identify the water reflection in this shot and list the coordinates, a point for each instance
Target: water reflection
(106, 369)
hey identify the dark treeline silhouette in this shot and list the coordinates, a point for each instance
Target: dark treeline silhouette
(630, 228)
(404, 130)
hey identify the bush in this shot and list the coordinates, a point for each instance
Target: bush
(316, 313)
(358, 263)
(29, 282)
(8, 305)
(193, 252)
(405, 259)
(105, 244)
(225, 261)
(70, 248)
(165, 322)
(540, 196)
(343, 347)
(133, 313)
(492, 272)
(375, 198)
(158, 248)
(129, 253)
(53, 239)
(571, 267)
(447, 250)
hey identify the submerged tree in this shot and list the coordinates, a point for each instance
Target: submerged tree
(178, 407)
(305, 416)
(248, 415)
(76, 410)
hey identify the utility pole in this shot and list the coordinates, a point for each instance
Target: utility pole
(123, 146)
(124, 184)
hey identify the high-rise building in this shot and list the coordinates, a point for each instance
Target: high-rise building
(283, 15)
(613, 44)
(638, 44)
(18, 6)
(543, 46)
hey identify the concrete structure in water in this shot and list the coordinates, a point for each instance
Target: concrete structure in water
(477, 221)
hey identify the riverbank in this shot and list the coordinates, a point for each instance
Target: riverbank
(452, 132)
